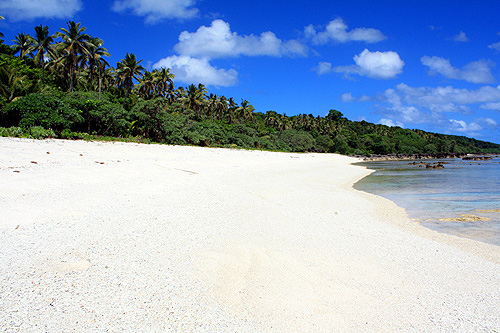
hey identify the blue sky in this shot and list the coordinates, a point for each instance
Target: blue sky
(432, 65)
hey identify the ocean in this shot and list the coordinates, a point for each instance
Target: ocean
(463, 198)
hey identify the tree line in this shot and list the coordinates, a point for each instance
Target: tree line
(61, 85)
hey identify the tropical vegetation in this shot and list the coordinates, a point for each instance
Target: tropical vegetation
(61, 85)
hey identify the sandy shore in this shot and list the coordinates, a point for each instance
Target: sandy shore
(120, 236)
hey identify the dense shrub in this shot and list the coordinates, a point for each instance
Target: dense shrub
(11, 132)
(296, 141)
(207, 134)
(38, 132)
(101, 116)
(47, 110)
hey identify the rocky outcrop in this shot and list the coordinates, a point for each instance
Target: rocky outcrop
(476, 158)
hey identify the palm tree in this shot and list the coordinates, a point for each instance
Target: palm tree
(128, 70)
(12, 84)
(180, 94)
(75, 42)
(195, 99)
(106, 75)
(22, 44)
(107, 78)
(95, 57)
(221, 107)
(212, 104)
(164, 81)
(231, 107)
(96, 54)
(42, 43)
(245, 111)
(170, 96)
(147, 85)
(273, 119)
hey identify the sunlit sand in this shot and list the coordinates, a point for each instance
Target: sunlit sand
(123, 236)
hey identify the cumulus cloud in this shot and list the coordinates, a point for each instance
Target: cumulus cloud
(462, 127)
(461, 37)
(337, 31)
(18, 10)
(390, 123)
(474, 127)
(377, 65)
(474, 72)
(218, 41)
(432, 106)
(191, 70)
(156, 10)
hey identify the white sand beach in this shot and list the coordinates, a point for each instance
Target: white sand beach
(99, 236)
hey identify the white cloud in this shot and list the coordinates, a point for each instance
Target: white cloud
(323, 68)
(495, 46)
(491, 106)
(431, 106)
(474, 127)
(461, 37)
(488, 122)
(474, 72)
(18, 10)
(443, 96)
(347, 98)
(191, 70)
(217, 41)
(377, 65)
(462, 127)
(390, 123)
(409, 114)
(337, 31)
(156, 10)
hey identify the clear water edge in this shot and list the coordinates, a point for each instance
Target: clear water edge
(459, 199)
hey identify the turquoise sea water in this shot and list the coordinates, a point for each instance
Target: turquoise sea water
(439, 198)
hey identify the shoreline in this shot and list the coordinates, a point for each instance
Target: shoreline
(398, 181)
(416, 157)
(127, 236)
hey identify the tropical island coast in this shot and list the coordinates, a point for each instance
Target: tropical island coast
(112, 236)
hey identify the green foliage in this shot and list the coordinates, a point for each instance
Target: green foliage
(68, 134)
(431, 148)
(334, 115)
(15, 132)
(38, 132)
(48, 110)
(207, 134)
(130, 103)
(298, 141)
(6, 49)
(101, 116)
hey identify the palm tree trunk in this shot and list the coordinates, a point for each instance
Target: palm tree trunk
(71, 73)
(126, 96)
(43, 70)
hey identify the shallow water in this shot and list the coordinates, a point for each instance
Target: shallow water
(439, 198)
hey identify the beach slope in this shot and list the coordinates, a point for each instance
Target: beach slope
(101, 236)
